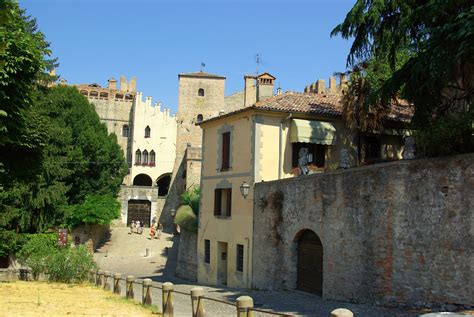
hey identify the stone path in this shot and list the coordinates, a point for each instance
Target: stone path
(125, 254)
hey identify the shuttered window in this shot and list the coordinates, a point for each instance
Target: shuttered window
(225, 151)
(222, 202)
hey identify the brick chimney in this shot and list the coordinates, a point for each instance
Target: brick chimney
(250, 90)
(265, 84)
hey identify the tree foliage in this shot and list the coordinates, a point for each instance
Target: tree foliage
(191, 198)
(429, 48)
(96, 209)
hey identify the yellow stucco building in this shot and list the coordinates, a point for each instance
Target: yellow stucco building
(263, 142)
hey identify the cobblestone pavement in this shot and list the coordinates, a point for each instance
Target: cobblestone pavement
(125, 253)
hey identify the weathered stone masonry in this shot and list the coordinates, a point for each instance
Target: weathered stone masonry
(393, 233)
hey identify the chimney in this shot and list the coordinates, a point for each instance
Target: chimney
(123, 83)
(320, 86)
(343, 82)
(332, 84)
(112, 84)
(279, 92)
(250, 92)
(265, 84)
(132, 85)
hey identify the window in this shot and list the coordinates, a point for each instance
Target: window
(138, 157)
(201, 92)
(104, 95)
(222, 202)
(240, 258)
(145, 158)
(84, 92)
(93, 94)
(225, 151)
(152, 158)
(372, 148)
(125, 131)
(118, 96)
(147, 131)
(207, 251)
(199, 118)
(316, 153)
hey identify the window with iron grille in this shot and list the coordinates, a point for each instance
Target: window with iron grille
(240, 258)
(207, 251)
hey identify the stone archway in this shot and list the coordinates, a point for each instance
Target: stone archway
(142, 180)
(309, 263)
(163, 184)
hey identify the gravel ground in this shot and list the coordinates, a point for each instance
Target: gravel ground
(125, 254)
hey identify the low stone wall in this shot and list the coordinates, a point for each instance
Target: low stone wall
(98, 233)
(396, 233)
(187, 256)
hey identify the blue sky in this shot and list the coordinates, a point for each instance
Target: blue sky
(156, 40)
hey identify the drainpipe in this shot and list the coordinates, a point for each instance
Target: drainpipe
(280, 149)
(248, 256)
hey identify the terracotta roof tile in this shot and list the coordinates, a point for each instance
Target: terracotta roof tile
(317, 104)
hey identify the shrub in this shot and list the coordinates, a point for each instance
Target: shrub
(191, 198)
(186, 219)
(70, 265)
(95, 210)
(36, 250)
(42, 255)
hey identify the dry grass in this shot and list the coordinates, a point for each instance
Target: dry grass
(54, 299)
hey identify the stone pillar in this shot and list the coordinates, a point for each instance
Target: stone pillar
(244, 305)
(146, 292)
(107, 276)
(197, 302)
(341, 312)
(92, 276)
(167, 299)
(129, 287)
(117, 277)
(98, 280)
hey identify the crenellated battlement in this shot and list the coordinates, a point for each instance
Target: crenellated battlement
(319, 86)
(126, 92)
(149, 108)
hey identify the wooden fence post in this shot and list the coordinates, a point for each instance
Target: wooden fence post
(167, 299)
(341, 312)
(107, 280)
(197, 302)
(117, 277)
(98, 280)
(146, 292)
(244, 305)
(129, 289)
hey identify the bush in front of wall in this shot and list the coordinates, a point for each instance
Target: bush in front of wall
(70, 265)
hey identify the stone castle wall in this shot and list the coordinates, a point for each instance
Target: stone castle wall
(186, 266)
(396, 233)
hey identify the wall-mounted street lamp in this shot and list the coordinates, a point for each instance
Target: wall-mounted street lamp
(244, 189)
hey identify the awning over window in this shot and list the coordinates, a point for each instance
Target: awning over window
(311, 131)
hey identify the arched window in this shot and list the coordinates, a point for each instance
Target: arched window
(93, 94)
(201, 92)
(147, 131)
(152, 158)
(118, 96)
(199, 118)
(125, 131)
(145, 157)
(84, 92)
(138, 157)
(104, 95)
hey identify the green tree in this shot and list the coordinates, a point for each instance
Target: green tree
(437, 76)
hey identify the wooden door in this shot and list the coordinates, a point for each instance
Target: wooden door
(310, 264)
(139, 210)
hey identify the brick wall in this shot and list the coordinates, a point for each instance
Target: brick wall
(395, 234)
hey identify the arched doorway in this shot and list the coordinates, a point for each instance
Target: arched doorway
(142, 180)
(310, 263)
(163, 184)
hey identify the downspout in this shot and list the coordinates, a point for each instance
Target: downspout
(280, 149)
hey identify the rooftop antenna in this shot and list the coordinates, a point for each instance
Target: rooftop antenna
(258, 61)
(202, 66)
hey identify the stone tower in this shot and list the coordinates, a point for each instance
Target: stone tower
(200, 96)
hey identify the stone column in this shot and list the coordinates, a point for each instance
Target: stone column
(146, 292)
(197, 302)
(129, 289)
(244, 305)
(167, 299)
(117, 277)
(341, 312)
